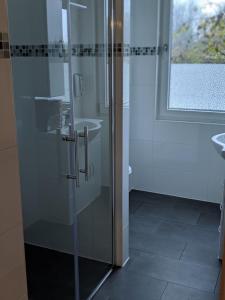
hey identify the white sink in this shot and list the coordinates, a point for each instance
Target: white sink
(219, 144)
(92, 124)
(94, 127)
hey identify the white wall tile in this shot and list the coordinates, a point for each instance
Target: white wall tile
(179, 183)
(215, 187)
(176, 132)
(173, 155)
(143, 22)
(141, 152)
(175, 158)
(142, 113)
(141, 161)
(143, 70)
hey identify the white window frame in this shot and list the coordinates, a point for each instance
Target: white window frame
(163, 112)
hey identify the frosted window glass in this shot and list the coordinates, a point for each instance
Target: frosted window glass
(198, 55)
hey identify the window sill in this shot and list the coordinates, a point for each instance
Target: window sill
(191, 117)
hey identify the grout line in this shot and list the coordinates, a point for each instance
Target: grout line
(182, 252)
(177, 222)
(200, 214)
(164, 290)
(217, 282)
(137, 208)
(174, 282)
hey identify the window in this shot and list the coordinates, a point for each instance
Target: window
(191, 71)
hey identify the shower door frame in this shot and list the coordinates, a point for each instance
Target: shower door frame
(110, 85)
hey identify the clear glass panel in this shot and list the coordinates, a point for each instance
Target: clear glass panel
(43, 104)
(198, 55)
(94, 204)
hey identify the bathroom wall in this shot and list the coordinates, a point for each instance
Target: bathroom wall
(12, 263)
(167, 157)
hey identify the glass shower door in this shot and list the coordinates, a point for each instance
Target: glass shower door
(92, 117)
(60, 71)
(44, 114)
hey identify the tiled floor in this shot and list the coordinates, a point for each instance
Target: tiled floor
(173, 251)
(51, 274)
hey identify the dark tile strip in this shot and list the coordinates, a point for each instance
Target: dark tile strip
(4, 45)
(60, 50)
(143, 51)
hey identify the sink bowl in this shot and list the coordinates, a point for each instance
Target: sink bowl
(92, 124)
(219, 144)
(94, 127)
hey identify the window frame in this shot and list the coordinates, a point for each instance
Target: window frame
(163, 73)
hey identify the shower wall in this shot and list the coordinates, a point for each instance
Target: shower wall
(167, 157)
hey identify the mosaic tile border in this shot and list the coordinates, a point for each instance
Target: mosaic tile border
(143, 51)
(50, 50)
(100, 50)
(59, 50)
(4, 45)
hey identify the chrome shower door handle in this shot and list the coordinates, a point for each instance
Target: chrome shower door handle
(76, 158)
(74, 139)
(78, 85)
(86, 143)
(85, 135)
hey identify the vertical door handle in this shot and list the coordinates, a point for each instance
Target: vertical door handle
(78, 84)
(74, 139)
(77, 167)
(85, 135)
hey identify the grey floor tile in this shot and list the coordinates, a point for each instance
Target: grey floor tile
(178, 292)
(162, 200)
(200, 206)
(172, 240)
(152, 198)
(173, 213)
(209, 220)
(201, 254)
(131, 285)
(134, 204)
(144, 225)
(211, 208)
(191, 275)
(153, 243)
(189, 233)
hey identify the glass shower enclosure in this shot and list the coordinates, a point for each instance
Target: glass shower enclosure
(61, 69)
